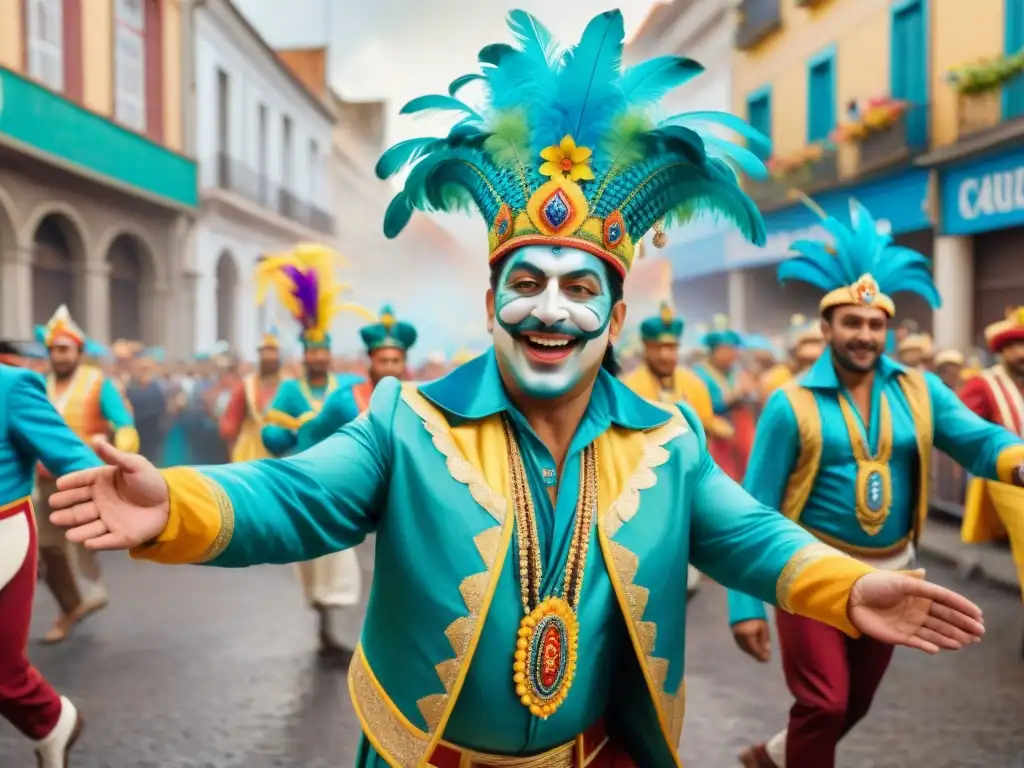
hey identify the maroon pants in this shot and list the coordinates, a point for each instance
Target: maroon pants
(26, 699)
(833, 679)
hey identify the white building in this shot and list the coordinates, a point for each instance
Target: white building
(263, 141)
(701, 30)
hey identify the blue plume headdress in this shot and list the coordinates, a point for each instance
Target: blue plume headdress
(666, 327)
(861, 267)
(568, 150)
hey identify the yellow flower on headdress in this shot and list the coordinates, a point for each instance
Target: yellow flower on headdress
(567, 159)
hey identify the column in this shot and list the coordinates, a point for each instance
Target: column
(157, 311)
(94, 280)
(244, 332)
(186, 309)
(953, 267)
(739, 297)
(16, 294)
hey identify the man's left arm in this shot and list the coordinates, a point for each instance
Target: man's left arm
(749, 547)
(982, 448)
(37, 428)
(114, 408)
(338, 411)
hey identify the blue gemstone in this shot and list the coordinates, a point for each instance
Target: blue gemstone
(556, 209)
(875, 492)
(502, 227)
(614, 233)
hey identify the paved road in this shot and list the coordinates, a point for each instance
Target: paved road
(204, 668)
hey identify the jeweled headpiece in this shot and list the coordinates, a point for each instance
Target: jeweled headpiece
(305, 283)
(60, 329)
(663, 328)
(568, 150)
(388, 331)
(861, 266)
(1003, 332)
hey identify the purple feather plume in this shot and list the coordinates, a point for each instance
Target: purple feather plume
(307, 290)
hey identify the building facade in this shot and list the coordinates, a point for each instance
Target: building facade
(263, 140)
(96, 198)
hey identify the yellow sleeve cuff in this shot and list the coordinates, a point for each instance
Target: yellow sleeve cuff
(127, 439)
(281, 419)
(816, 583)
(720, 428)
(1009, 459)
(200, 522)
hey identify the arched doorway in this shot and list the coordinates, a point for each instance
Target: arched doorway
(55, 253)
(127, 284)
(227, 291)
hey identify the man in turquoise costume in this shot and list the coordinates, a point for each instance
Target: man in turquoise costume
(534, 518)
(304, 282)
(844, 450)
(387, 341)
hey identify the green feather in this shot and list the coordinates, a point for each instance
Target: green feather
(509, 140)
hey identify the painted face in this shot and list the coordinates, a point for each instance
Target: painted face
(553, 307)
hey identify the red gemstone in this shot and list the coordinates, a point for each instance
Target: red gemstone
(550, 656)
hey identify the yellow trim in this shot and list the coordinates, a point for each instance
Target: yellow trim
(802, 477)
(855, 551)
(477, 456)
(281, 419)
(1009, 459)
(127, 439)
(919, 400)
(816, 583)
(870, 464)
(317, 404)
(852, 295)
(200, 522)
(618, 450)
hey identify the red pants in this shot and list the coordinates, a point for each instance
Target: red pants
(833, 679)
(26, 699)
(732, 454)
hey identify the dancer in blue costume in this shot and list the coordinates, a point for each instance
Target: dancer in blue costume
(534, 518)
(843, 450)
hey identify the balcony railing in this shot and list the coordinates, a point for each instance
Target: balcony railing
(978, 113)
(758, 19)
(906, 137)
(254, 186)
(772, 193)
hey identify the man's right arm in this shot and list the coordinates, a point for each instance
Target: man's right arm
(338, 411)
(282, 510)
(776, 447)
(281, 425)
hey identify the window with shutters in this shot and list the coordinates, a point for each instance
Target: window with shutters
(1013, 91)
(759, 111)
(45, 38)
(821, 97)
(130, 64)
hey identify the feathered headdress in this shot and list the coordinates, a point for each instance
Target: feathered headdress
(568, 150)
(307, 288)
(60, 329)
(1003, 332)
(664, 328)
(861, 266)
(388, 331)
(721, 334)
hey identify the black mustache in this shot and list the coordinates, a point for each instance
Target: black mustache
(858, 347)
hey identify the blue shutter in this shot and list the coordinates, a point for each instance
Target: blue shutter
(821, 98)
(759, 112)
(1013, 92)
(909, 67)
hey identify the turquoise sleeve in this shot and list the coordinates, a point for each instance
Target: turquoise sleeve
(718, 404)
(40, 431)
(775, 451)
(338, 411)
(113, 406)
(970, 440)
(320, 501)
(739, 542)
(279, 440)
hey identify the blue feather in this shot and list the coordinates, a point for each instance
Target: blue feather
(757, 142)
(646, 83)
(403, 153)
(535, 41)
(439, 102)
(397, 215)
(459, 83)
(494, 53)
(747, 161)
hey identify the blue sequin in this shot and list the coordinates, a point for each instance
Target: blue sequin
(557, 210)
(502, 227)
(875, 492)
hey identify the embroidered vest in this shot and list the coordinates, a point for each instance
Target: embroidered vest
(79, 402)
(808, 419)
(1007, 398)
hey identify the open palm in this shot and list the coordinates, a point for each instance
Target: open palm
(118, 506)
(903, 609)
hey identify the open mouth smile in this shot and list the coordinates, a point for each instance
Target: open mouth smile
(547, 348)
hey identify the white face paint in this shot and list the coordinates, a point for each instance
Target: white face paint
(553, 309)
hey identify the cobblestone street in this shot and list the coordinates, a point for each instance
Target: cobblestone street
(209, 668)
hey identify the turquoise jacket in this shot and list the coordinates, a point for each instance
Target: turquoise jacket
(718, 387)
(339, 409)
(32, 431)
(830, 508)
(426, 468)
(295, 404)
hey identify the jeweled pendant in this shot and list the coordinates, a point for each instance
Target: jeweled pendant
(545, 659)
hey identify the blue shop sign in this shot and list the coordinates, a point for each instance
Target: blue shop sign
(983, 195)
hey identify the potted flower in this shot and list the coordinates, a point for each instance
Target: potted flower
(986, 74)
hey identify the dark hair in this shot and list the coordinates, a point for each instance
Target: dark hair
(615, 280)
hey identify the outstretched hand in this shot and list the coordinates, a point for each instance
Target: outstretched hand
(903, 609)
(118, 506)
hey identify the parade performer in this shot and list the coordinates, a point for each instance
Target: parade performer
(242, 422)
(805, 343)
(731, 393)
(566, 647)
(994, 509)
(92, 405)
(844, 451)
(32, 431)
(387, 341)
(949, 366)
(915, 351)
(304, 282)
